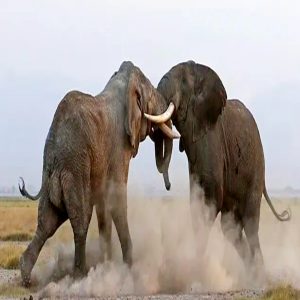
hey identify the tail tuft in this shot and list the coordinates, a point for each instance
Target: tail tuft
(22, 189)
(284, 216)
(24, 193)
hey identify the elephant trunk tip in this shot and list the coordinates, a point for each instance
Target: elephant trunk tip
(167, 181)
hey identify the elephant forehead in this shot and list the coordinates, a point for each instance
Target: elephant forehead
(126, 65)
(167, 86)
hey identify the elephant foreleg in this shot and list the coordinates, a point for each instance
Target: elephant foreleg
(104, 226)
(203, 217)
(118, 198)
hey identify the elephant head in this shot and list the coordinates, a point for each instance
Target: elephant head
(143, 100)
(197, 95)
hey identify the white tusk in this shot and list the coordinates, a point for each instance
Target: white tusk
(164, 117)
(168, 131)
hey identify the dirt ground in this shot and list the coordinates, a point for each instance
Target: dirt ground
(166, 264)
(12, 277)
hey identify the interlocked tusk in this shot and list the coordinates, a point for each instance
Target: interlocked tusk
(168, 131)
(162, 118)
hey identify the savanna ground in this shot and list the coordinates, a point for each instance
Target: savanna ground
(166, 264)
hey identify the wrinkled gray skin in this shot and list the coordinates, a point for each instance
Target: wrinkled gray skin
(86, 160)
(224, 151)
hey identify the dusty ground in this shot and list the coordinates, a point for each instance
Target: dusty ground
(8, 276)
(165, 258)
(12, 277)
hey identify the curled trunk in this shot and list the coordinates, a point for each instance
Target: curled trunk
(163, 144)
(163, 153)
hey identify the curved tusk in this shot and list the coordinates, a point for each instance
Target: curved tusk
(164, 117)
(168, 131)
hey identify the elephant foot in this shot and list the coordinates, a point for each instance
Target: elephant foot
(128, 261)
(25, 274)
(102, 258)
(79, 273)
(260, 275)
(127, 255)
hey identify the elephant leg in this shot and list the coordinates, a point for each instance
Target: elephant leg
(49, 219)
(105, 227)
(257, 269)
(251, 231)
(119, 216)
(251, 227)
(79, 209)
(233, 231)
(203, 217)
(80, 223)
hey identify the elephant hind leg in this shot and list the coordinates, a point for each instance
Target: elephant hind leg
(251, 230)
(233, 231)
(251, 227)
(79, 209)
(257, 269)
(49, 219)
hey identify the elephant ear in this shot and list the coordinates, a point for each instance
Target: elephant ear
(208, 103)
(133, 112)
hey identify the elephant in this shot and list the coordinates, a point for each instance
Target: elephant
(225, 155)
(86, 161)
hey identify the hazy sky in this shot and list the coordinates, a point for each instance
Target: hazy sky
(50, 47)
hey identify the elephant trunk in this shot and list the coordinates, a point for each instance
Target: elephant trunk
(163, 144)
(163, 153)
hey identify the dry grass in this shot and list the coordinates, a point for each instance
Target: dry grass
(10, 256)
(282, 293)
(17, 219)
(17, 236)
(11, 290)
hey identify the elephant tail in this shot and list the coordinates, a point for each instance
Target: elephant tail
(24, 192)
(284, 216)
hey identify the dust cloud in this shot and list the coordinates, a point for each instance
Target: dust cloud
(167, 256)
